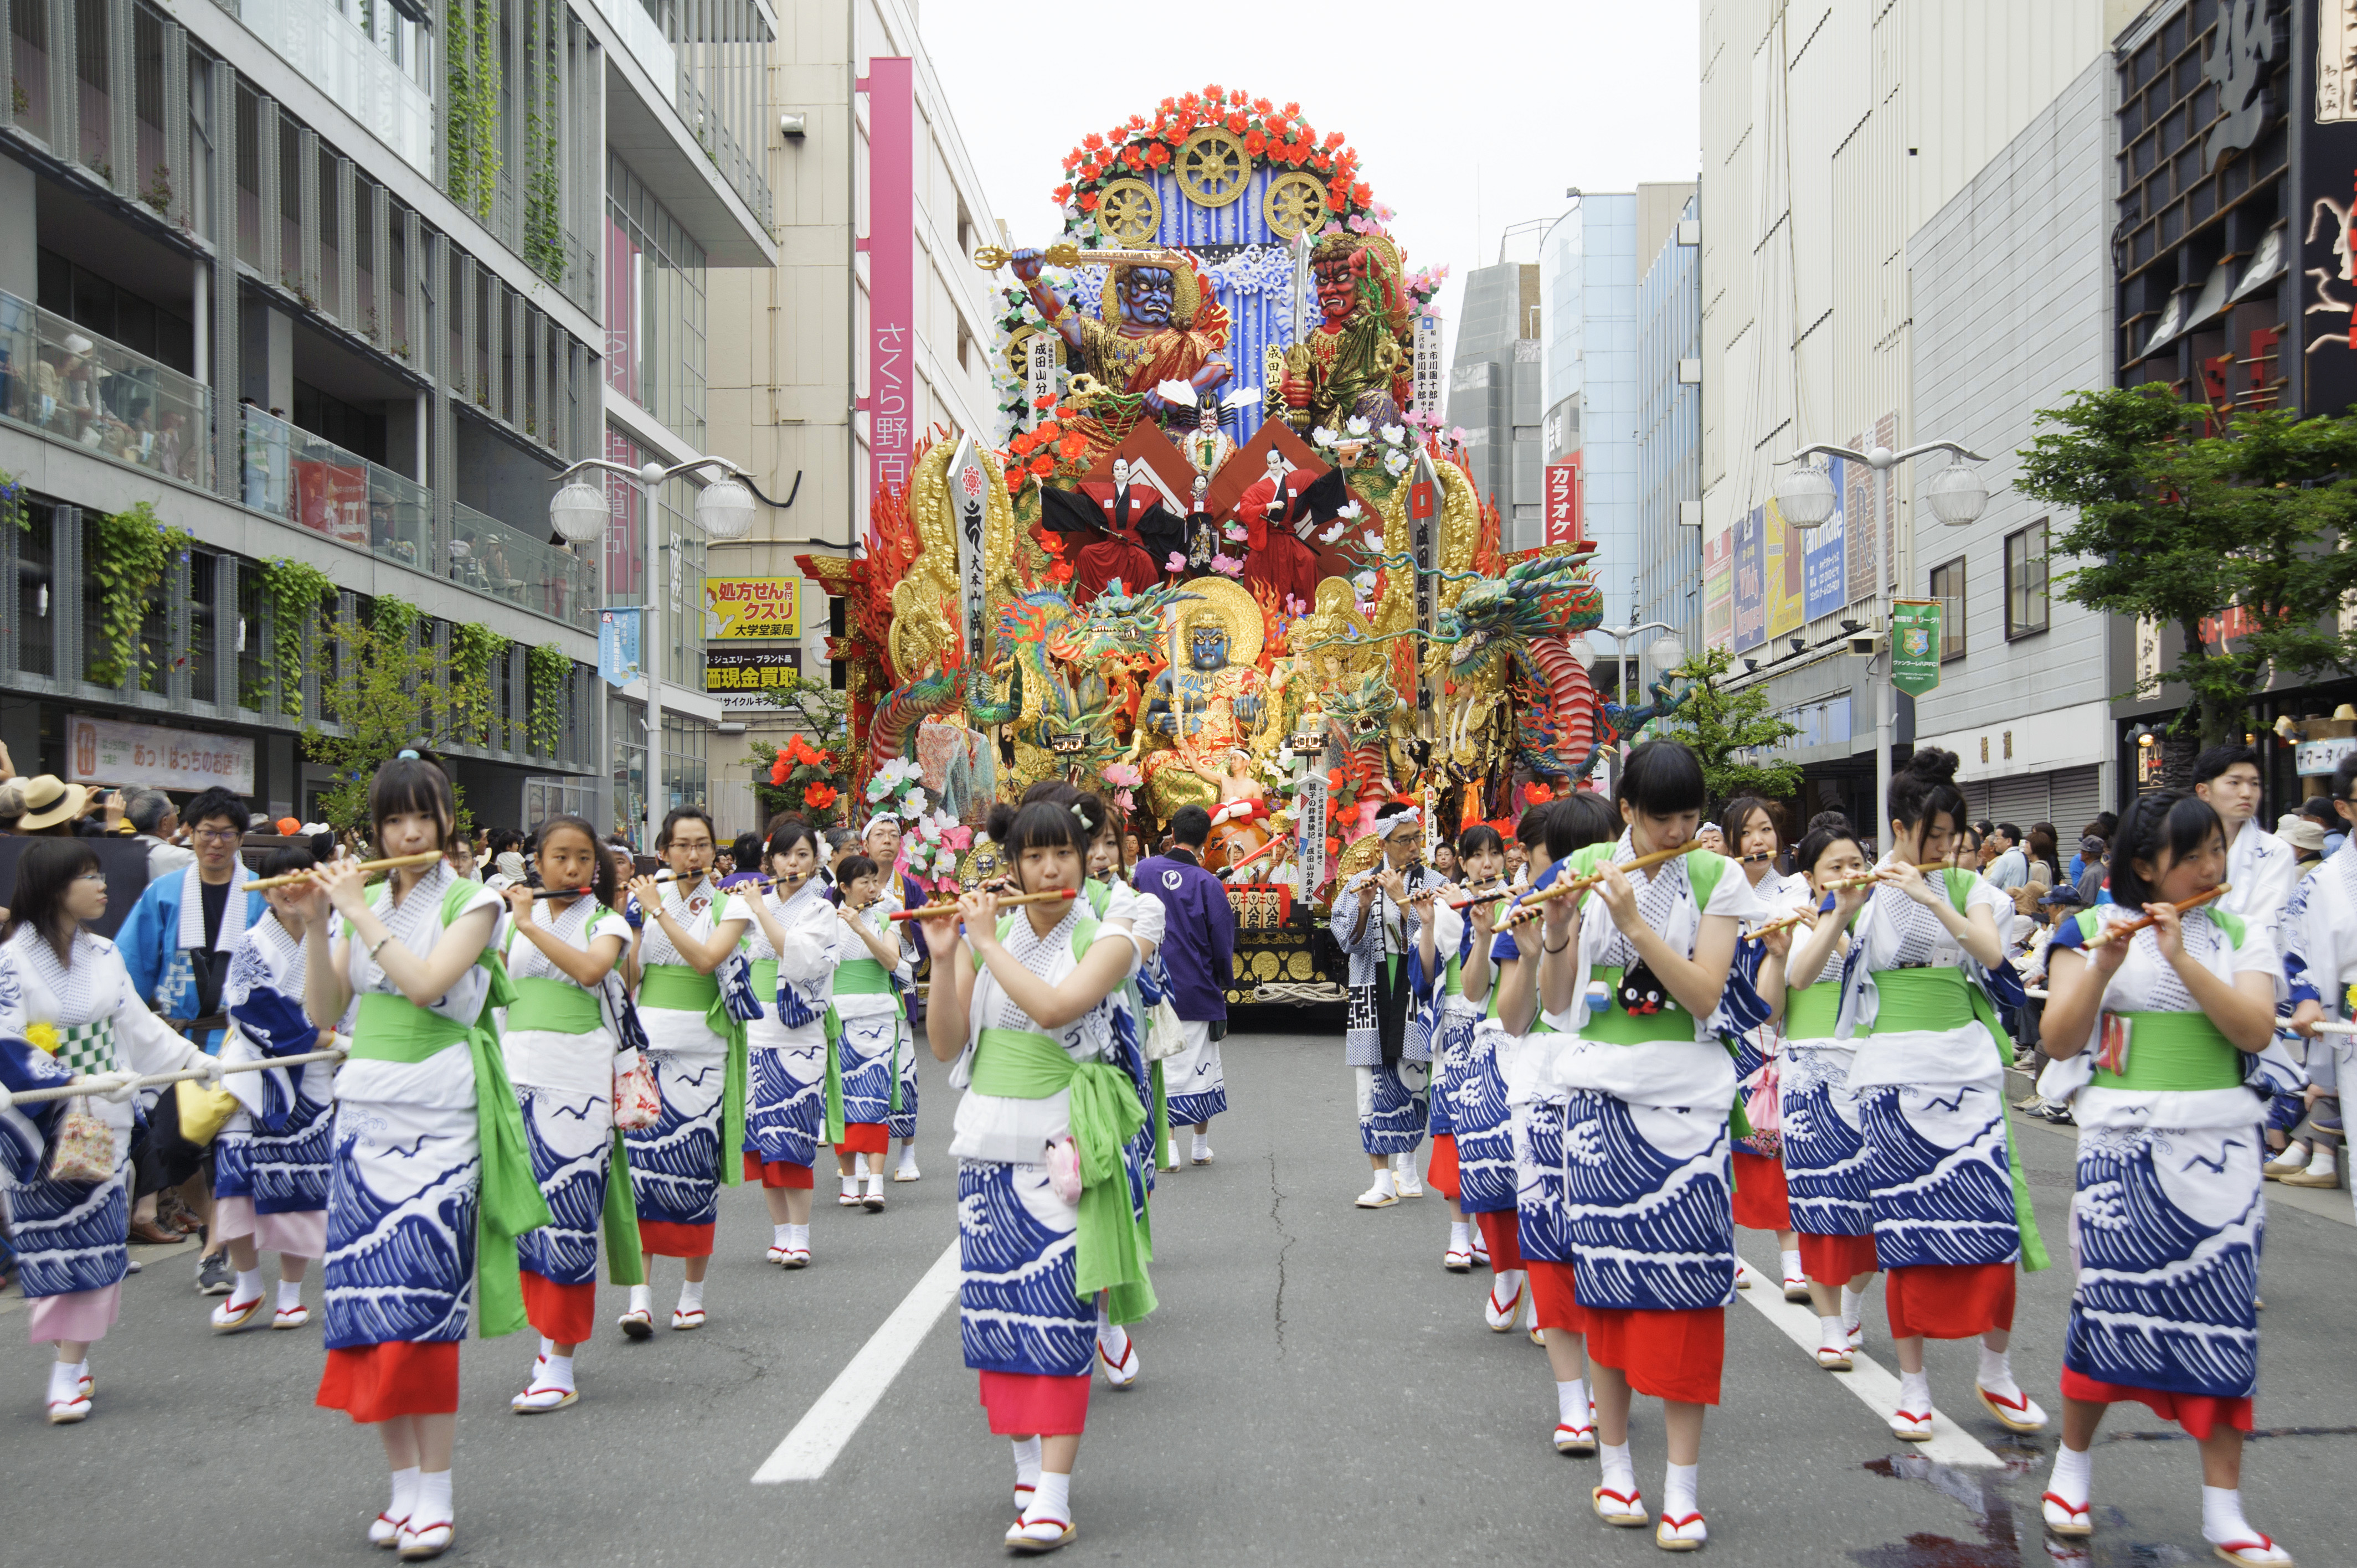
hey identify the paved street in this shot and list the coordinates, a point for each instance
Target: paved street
(1316, 1389)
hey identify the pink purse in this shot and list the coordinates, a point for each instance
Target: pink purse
(1064, 1169)
(1763, 1107)
(636, 1102)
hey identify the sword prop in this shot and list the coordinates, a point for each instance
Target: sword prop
(1066, 253)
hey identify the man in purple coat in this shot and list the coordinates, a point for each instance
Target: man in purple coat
(1199, 946)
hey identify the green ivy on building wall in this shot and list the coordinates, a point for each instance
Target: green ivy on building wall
(551, 672)
(296, 591)
(471, 57)
(544, 227)
(134, 549)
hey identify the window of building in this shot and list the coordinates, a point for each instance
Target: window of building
(37, 612)
(204, 622)
(654, 306)
(2025, 581)
(684, 780)
(1948, 587)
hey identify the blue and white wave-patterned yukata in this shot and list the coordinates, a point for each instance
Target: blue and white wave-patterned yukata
(1394, 1074)
(1018, 1310)
(1824, 1142)
(70, 1235)
(875, 1042)
(407, 1151)
(2171, 1211)
(2319, 954)
(564, 1083)
(276, 1150)
(786, 1079)
(675, 1175)
(902, 1123)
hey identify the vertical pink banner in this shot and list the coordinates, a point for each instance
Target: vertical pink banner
(892, 270)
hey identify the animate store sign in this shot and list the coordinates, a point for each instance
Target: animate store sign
(98, 751)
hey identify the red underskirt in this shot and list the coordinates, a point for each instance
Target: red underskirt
(1759, 1200)
(667, 1238)
(1440, 1171)
(1950, 1301)
(1551, 1293)
(863, 1138)
(567, 1314)
(776, 1172)
(1024, 1403)
(1837, 1260)
(2200, 1414)
(1502, 1233)
(1674, 1356)
(378, 1382)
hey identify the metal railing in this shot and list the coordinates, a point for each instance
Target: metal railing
(500, 561)
(78, 387)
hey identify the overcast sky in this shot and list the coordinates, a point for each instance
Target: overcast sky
(1469, 115)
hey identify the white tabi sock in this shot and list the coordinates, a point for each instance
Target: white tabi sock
(851, 1186)
(1618, 1474)
(907, 1155)
(2321, 1163)
(1053, 1499)
(65, 1382)
(1792, 1265)
(557, 1372)
(1571, 1402)
(248, 1286)
(1385, 1183)
(547, 1347)
(691, 1295)
(290, 1294)
(1503, 1284)
(1915, 1393)
(433, 1506)
(1461, 1236)
(1027, 1462)
(2074, 1478)
(859, 1164)
(781, 1236)
(2221, 1516)
(875, 1184)
(1832, 1335)
(798, 1238)
(1996, 1373)
(404, 1495)
(1114, 1338)
(1679, 1483)
(1202, 1146)
(1853, 1309)
(642, 1299)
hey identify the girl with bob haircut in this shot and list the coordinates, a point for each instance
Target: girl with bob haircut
(2151, 1037)
(1952, 1214)
(1026, 1005)
(1445, 941)
(432, 1180)
(564, 1036)
(792, 941)
(65, 993)
(1756, 839)
(679, 1165)
(272, 1157)
(1823, 1145)
(1647, 1086)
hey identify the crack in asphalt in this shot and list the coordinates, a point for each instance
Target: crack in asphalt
(1275, 1202)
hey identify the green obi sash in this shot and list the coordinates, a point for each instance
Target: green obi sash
(1161, 1111)
(561, 1007)
(862, 977)
(392, 1029)
(1811, 1011)
(1621, 1027)
(765, 978)
(1111, 1252)
(2174, 1051)
(677, 988)
(1940, 999)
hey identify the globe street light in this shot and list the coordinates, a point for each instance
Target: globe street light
(1956, 495)
(580, 513)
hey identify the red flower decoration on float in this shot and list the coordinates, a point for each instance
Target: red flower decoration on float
(1270, 135)
(819, 797)
(1157, 153)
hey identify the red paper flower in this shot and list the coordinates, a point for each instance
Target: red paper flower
(1093, 141)
(1361, 195)
(1236, 122)
(1334, 140)
(1537, 794)
(779, 767)
(1043, 464)
(1339, 200)
(1138, 122)
(1215, 96)
(1133, 157)
(1063, 194)
(1333, 847)
(1259, 106)
(1255, 143)
(1060, 573)
(1044, 400)
(1293, 109)
(1157, 153)
(1088, 201)
(819, 797)
(1325, 164)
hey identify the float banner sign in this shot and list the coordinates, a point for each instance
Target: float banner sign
(891, 270)
(1915, 645)
(740, 609)
(618, 647)
(1309, 810)
(100, 751)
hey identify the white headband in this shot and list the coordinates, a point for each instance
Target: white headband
(879, 817)
(1398, 819)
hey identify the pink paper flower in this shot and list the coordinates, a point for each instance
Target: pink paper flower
(1227, 566)
(1177, 563)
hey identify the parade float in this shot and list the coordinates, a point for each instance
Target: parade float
(1220, 551)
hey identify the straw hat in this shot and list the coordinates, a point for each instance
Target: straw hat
(49, 801)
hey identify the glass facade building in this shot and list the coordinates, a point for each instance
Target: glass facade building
(1669, 436)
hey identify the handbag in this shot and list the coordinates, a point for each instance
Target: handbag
(1763, 1107)
(1063, 1163)
(1166, 1037)
(636, 1102)
(84, 1147)
(202, 1111)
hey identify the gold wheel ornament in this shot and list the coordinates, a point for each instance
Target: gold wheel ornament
(1293, 202)
(1212, 168)
(1129, 212)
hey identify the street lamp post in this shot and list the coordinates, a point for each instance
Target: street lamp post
(1956, 495)
(579, 512)
(1666, 653)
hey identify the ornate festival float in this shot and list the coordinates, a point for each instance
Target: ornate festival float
(1223, 553)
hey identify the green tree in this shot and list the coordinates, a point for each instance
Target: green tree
(390, 691)
(1720, 725)
(825, 715)
(2176, 526)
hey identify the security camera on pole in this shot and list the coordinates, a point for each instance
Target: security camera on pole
(579, 512)
(1806, 495)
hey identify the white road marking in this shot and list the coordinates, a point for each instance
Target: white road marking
(831, 1421)
(1876, 1388)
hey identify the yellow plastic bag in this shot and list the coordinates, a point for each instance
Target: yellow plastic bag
(202, 1111)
